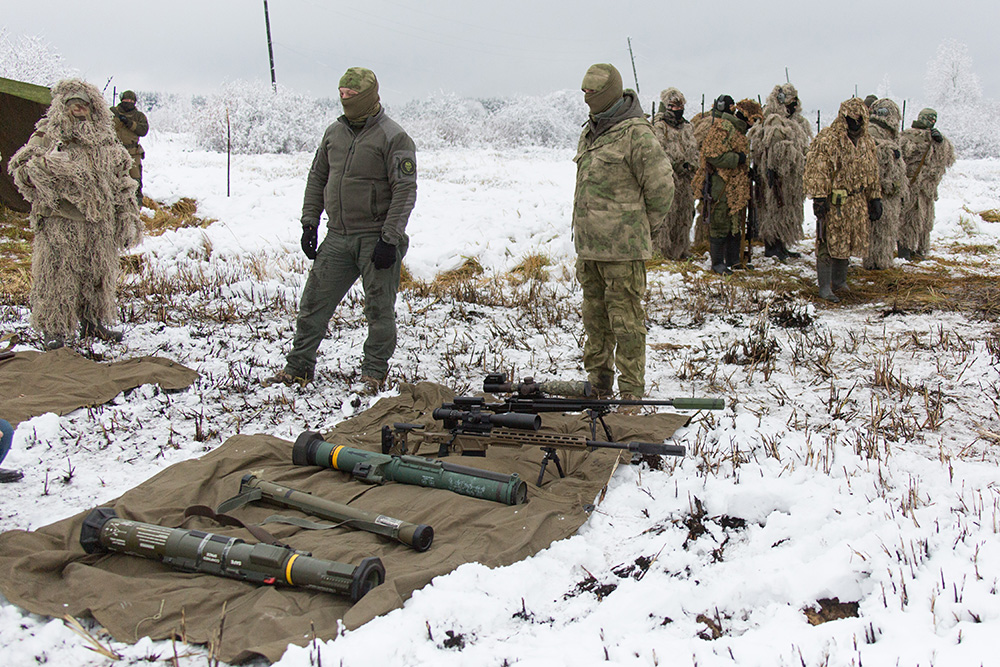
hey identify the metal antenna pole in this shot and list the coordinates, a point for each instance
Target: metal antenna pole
(270, 50)
(634, 75)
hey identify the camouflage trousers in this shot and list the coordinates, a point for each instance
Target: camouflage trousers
(615, 323)
(340, 260)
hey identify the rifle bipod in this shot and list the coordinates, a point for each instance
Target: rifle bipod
(550, 455)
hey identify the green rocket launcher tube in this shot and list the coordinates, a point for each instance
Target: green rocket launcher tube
(198, 551)
(311, 450)
(418, 536)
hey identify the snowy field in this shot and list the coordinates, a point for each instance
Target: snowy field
(856, 459)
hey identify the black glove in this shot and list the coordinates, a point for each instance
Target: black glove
(384, 255)
(124, 119)
(310, 238)
(772, 178)
(936, 135)
(896, 153)
(874, 209)
(743, 158)
(821, 206)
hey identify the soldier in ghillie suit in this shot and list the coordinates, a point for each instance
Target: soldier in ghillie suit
(74, 172)
(677, 138)
(883, 126)
(364, 175)
(778, 146)
(130, 124)
(624, 188)
(842, 179)
(723, 178)
(700, 124)
(927, 154)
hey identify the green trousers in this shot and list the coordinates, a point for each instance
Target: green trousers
(340, 260)
(615, 323)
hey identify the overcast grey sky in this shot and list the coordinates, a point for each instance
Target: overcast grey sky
(509, 47)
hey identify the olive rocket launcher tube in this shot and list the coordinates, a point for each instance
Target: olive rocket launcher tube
(311, 450)
(418, 536)
(198, 551)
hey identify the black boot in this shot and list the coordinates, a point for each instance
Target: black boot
(823, 279)
(90, 329)
(902, 251)
(53, 341)
(717, 252)
(839, 274)
(733, 259)
(788, 253)
(771, 249)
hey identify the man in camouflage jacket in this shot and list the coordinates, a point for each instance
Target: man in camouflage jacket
(364, 176)
(842, 179)
(130, 124)
(724, 173)
(677, 138)
(624, 188)
(778, 145)
(927, 154)
(883, 125)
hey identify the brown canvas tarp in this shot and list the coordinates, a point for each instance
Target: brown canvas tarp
(60, 381)
(47, 572)
(21, 105)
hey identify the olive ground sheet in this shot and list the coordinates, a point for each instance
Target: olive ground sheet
(61, 381)
(48, 572)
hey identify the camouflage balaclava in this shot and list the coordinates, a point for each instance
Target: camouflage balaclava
(366, 103)
(925, 119)
(672, 97)
(606, 82)
(127, 100)
(855, 115)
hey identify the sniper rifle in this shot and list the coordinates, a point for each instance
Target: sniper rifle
(471, 431)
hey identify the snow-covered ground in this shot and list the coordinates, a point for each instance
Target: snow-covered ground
(857, 457)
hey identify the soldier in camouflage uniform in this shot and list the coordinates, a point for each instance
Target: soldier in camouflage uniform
(130, 124)
(724, 163)
(677, 138)
(842, 179)
(884, 128)
(624, 187)
(778, 146)
(364, 175)
(927, 154)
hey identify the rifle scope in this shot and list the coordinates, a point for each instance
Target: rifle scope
(198, 551)
(418, 536)
(311, 450)
(496, 383)
(518, 420)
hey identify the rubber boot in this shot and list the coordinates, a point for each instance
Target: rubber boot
(733, 259)
(902, 251)
(717, 253)
(839, 274)
(823, 278)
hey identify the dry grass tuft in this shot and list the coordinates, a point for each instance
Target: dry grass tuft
(531, 267)
(991, 215)
(175, 216)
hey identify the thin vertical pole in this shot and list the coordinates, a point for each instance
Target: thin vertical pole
(634, 75)
(229, 150)
(270, 50)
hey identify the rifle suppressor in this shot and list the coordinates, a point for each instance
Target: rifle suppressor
(198, 551)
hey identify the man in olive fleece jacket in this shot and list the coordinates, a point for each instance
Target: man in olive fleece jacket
(364, 176)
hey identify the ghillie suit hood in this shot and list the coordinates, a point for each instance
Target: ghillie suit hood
(836, 163)
(779, 144)
(679, 144)
(884, 129)
(926, 163)
(83, 209)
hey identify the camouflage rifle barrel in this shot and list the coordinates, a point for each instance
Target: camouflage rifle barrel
(418, 536)
(209, 553)
(311, 450)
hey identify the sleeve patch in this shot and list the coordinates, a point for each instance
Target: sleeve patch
(407, 167)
